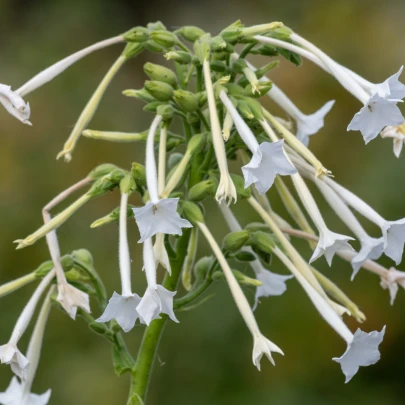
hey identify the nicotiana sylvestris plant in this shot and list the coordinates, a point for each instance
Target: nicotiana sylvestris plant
(211, 87)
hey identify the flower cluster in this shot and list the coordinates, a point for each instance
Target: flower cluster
(215, 93)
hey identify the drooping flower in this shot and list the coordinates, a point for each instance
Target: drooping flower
(9, 354)
(159, 250)
(371, 249)
(71, 298)
(15, 395)
(156, 299)
(268, 158)
(122, 307)
(15, 104)
(393, 279)
(398, 137)
(158, 215)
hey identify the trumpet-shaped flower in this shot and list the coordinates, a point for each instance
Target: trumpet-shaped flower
(15, 104)
(393, 279)
(71, 298)
(397, 133)
(16, 394)
(391, 88)
(263, 346)
(362, 351)
(156, 299)
(9, 354)
(371, 249)
(122, 308)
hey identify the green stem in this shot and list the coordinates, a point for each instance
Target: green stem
(143, 367)
(204, 120)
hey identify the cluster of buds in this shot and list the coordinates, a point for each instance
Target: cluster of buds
(215, 93)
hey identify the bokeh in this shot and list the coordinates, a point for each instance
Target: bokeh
(206, 358)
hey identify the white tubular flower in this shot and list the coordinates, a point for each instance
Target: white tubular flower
(15, 104)
(273, 284)
(56, 69)
(329, 242)
(160, 252)
(71, 298)
(362, 348)
(226, 189)
(228, 125)
(261, 345)
(393, 231)
(371, 248)
(156, 299)
(122, 307)
(391, 282)
(9, 353)
(268, 158)
(398, 137)
(14, 395)
(158, 215)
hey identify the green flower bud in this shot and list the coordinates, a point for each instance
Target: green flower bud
(184, 58)
(239, 183)
(202, 267)
(190, 33)
(160, 90)
(99, 328)
(238, 66)
(132, 49)
(283, 33)
(138, 172)
(152, 46)
(202, 48)
(244, 256)
(262, 90)
(218, 44)
(255, 107)
(202, 98)
(219, 66)
(127, 184)
(113, 216)
(43, 269)
(186, 100)
(173, 143)
(166, 111)
(266, 68)
(196, 143)
(245, 280)
(263, 241)
(137, 34)
(106, 183)
(232, 32)
(235, 240)
(153, 106)
(160, 73)
(202, 190)
(233, 89)
(291, 56)
(174, 160)
(140, 94)
(84, 256)
(258, 226)
(192, 212)
(67, 262)
(244, 110)
(158, 25)
(76, 276)
(266, 50)
(101, 170)
(193, 119)
(164, 38)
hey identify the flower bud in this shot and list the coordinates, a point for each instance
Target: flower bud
(202, 190)
(202, 98)
(192, 212)
(190, 33)
(132, 49)
(245, 280)
(266, 68)
(164, 38)
(137, 34)
(152, 46)
(244, 256)
(239, 183)
(196, 143)
(238, 66)
(140, 94)
(263, 241)
(166, 111)
(106, 183)
(99, 328)
(113, 216)
(127, 184)
(202, 266)
(184, 58)
(101, 170)
(173, 143)
(84, 256)
(233, 89)
(174, 160)
(193, 119)
(261, 91)
(219, 66)
(138, 172)
(160, 73)
(258, 226)
(218, 44)
(153, 106)
(283, 33)
(266, 50)
(244, 110)
(235, 240)
(255, 107)
(232, 32)
(160, 90)
(155, 26)
(186, 100)
(202, 48)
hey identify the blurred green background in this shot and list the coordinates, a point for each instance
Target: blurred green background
(206, 359)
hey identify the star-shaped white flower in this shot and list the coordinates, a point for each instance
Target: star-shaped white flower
(123, 310)
(15, 104)
(268, 161)
(263, 346)
(9, 354)
(161, 216)
(72, 298)
(376, 114)
(397, 133)
(391, 282)
(391, 88)
(16, 395)
(371, 249)
(329, 243)
(362, 351)
(394, 234)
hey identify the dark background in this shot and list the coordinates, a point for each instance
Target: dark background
(206, 359)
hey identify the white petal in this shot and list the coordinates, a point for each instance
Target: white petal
(394, 234)
(166, 299)
(263, 346)
(13, 393)
(35, 399)
(398, 144)
(268, 161)
(273, 285)
(160, 217)
(374, 116)
(329, 244)
(362, 351)
(159, 250)
(9, 354)
(123, 310)
(396, 90)
(150, 306)
(311, 124)
(72, 298)
(372, 249)
(15, 104)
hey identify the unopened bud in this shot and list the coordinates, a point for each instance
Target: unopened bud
(196, 143)
(191, 33)
(202, 98)
(155, 26)
(232, 32)
(246, 280)
(218, 44)
(235, 240)
(255, 108)
(263, 241)
(138, 172)
(160, 90)
(83, 256)
(244, 256)
(233, 89)
(127, 184)
(257, 91)
(202, 190)
(153, 106)
(160, 73)
(137, 34)
(258, 226)
(184, 58)
(192, 212)
(101, 170)
(266, 50)
(164, 38)
(202, 267)
(140, 94)
(166, 111)
(173, 143)
(174, 160)
(202, 48)
(266, 68)
(219, 66)
(186, 100)
(193, 119)
(152, 46)
(113, 216)
(133, 49)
